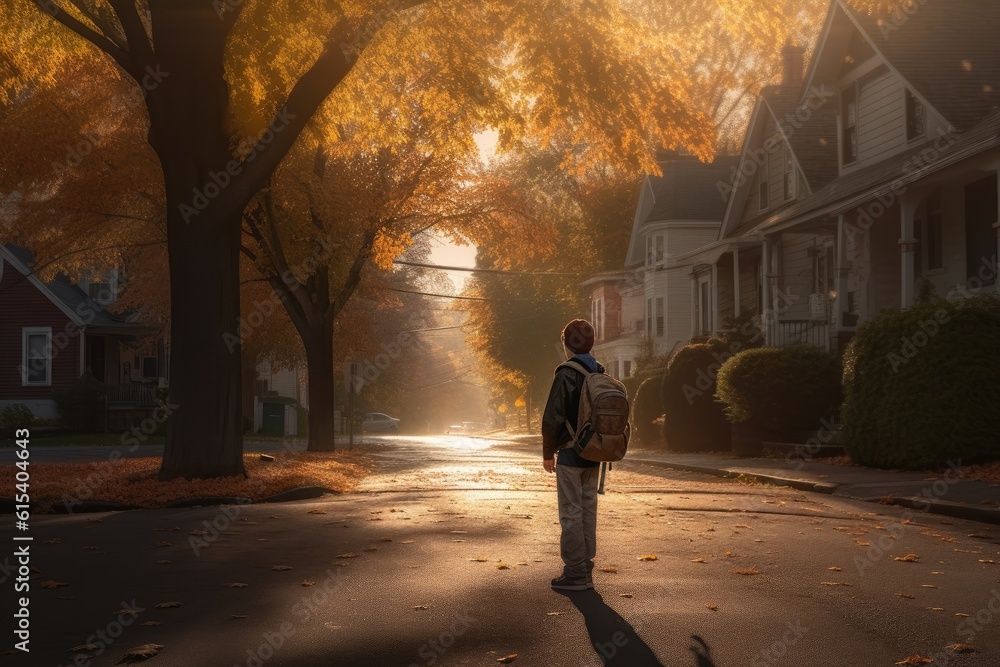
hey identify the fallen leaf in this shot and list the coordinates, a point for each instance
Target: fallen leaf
(610, 569)
(150, 624)
(54, 540)
(503, 566)
(316, 511)
(124, 612)
(915, 660)
(144, 652)
(961, 614)
(935, 608)
(908, 558)
(907, 596)
(407, 541)
(198, 532)
(92, 548)
(960, 648)
(236, 584)
(625, 595)
(834, 568)
(386, 539)
(834, 583)
(420, 607)
(349, 554)
(478, 559)
(647, 557)
(52, 584)
(507, 658)
(234, 617)
(308, 582)
(698, 560)
(371, 548)
(988, 561)
(83, 647)
(163, 562)
(553, 613)
(713, 607)
(168, 605)
(746, 572)
(282, 568)
(928, 586)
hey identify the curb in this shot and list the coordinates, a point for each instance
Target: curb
(799, 484)
(7, 505)
(926, 505)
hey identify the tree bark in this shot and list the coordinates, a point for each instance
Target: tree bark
(319, 357)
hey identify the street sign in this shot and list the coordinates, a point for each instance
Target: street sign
(352, 376)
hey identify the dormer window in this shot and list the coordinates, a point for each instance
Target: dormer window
(103, 288)
(849, 124)
(915, 123)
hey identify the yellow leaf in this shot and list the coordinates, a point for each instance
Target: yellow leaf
(834, 568)
(609, 569)
(647, 557)
(507, 658)
(960, 648)
(713, 607)
(908, 558)
(745, 572)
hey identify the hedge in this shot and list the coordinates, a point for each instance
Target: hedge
(922, 386)
(782, 389)
(646, 408)
(694, 421)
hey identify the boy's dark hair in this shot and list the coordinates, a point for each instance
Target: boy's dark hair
(578, 336)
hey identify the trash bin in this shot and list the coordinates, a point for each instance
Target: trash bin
(275, 419)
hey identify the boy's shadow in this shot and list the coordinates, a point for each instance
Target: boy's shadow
(615, 641)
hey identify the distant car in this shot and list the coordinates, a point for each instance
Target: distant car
(376, 422)
(466, 428)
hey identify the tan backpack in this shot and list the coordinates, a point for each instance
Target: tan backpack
(602, 431)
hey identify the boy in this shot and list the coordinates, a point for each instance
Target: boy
(576, 477)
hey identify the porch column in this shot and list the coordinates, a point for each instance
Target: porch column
(769, 316)
(841, 307)
(694, 304)
(907, 248)
(736, 280)
(715, 298)
(996, 260)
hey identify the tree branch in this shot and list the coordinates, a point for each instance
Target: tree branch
(139, 45)
(120, 56)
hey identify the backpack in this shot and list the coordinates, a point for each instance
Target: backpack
(602, 430)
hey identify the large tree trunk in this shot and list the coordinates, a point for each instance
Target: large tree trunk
(319, 357)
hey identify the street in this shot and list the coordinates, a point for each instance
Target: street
(444, 554)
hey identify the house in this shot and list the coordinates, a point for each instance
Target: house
(53, 332)
(869, 178)
(646, 309)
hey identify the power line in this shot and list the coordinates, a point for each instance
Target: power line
(476, 270)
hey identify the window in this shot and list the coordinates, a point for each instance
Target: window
(758, 270)
(150, 368)
(659, 251)
(649, 251)
(659, 317)
(36, 356)
(704, 308)
(849, 124)
(649, 318)
(765, 188)
(614, 370)
(102, 289)
(789, 175)
(914, 117)
(627, 368)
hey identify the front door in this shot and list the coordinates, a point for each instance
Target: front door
(95, 361)
(980, 237)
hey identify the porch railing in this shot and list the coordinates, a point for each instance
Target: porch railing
(803, 332)
(141, 395)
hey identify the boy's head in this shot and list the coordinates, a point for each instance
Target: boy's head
(578, 337)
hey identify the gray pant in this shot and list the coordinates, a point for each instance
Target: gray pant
(578, 518)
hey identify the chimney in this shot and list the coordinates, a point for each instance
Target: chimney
(793, 59)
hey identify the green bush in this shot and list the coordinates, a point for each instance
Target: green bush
(646, 408)
(783, 389)
(81, 407)
(921, 386)
(14, 417)
(694, 421)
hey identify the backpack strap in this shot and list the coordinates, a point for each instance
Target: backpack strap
(577, 366)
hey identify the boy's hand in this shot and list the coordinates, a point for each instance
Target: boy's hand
(550, 465)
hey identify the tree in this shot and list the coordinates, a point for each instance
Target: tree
(226, 100)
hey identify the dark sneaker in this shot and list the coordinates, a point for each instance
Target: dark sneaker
(565, 583)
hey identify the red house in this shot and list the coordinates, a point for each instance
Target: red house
(53, 332)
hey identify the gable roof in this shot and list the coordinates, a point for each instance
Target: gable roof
(688, 189)
(814, 140)
(65, 294)
(948, 51)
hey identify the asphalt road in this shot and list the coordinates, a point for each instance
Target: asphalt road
(448, 550)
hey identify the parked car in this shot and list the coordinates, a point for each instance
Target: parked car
(466, 428)
(376, 422)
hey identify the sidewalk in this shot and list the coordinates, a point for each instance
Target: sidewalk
(943, 493)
